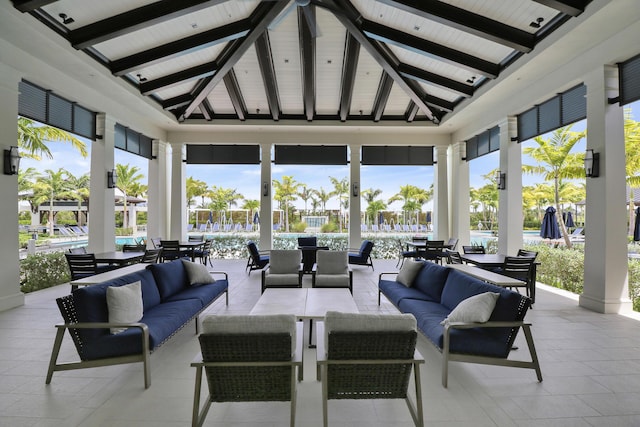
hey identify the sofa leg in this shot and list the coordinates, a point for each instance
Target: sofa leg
(532, 351)
(54, 354)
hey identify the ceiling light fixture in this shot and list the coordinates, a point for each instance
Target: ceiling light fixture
(471, 80)
(66, 20)
(537, 23)
(141, 79)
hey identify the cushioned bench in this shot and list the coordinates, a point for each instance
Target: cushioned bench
(125, 319)
(475, 331)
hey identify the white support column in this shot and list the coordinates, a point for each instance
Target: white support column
(10, 295)
(102, 213)
(605, 256)
(355, 220)
(266, 213)
(510, 199)
(178, 203)
(459, 194)
(440, 196)
(158, 201)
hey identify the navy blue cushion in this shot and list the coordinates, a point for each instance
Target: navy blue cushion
(395, 291)
(460, 286)
(204, 293)
(91, 301)
(171, 278)
(431, 279)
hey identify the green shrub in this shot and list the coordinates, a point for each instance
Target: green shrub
(329, 227)
(43, 270)
(298, 227)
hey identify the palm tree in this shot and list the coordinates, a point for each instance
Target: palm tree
(305, 195)
(340, 189)
(26, 180)
(80, 191)
(128, 178)
(32, 137)
(374, 207)
(49, 187)
(323, 198)
(286, 192)
(369, 195)
(195, 188)
(632, 166)
(409, 195)
(556, 162)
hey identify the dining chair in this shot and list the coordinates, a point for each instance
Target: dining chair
(475, 249)
(452, 244)
(171, 250)
(151, 256)
(403, 254)
(527, 253)
(520, 268)
(80, 250)
(369, 356)
(247, 358)
(332, 270)
(133, 248)
(433, 251)
(84, 265)
(453, 257)
(196, 238)
(204, 252)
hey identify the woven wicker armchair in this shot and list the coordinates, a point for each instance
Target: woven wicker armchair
(248, 359)
(369, 356)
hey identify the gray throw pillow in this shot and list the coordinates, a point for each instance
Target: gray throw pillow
(408, 272)
(197, 273)
(477, 309)
(124, 304)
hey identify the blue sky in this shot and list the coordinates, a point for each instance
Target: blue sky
(246, 178)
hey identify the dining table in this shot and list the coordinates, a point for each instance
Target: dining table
(191, 246)
(118, 258)
(489, 261)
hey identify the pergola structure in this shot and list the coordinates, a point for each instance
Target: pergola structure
(428, 78)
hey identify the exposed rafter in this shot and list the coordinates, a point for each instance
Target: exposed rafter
(233, 88)
(167, 81)
(262, 16)
(411, 112)
(434, 79)
(348, 16)
(382, 96)
(307, 59)
(569, 7)
(431, 49)
(349, 68)
(267, 69)
(181, 47)
(29, 5)
(136, 19)
(469, 22)
(206, 110)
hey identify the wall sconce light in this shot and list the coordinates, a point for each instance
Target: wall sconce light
(112, 178)
(11, 161)
(592, 164)
(355, 189)
(501, 180)
(265, 189)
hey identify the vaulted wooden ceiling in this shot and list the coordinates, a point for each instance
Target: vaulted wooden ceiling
(308, 60)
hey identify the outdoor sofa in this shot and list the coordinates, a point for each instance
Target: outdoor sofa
(173, 294)
(431, 292)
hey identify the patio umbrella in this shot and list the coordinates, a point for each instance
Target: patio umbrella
(256, 218)
(428, 217)
(636, 229)
(567, 217)
(550, 229)
(210, 217)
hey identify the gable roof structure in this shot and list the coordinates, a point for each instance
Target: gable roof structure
(361, 61)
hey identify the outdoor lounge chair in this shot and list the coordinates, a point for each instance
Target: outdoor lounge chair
(362, 256)
(577, 235)
(369, 356)
(257, 260)
(332, 271)
(248, 359)
(284, 271)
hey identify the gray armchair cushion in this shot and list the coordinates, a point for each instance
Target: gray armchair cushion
(332, 262)
(284, 261)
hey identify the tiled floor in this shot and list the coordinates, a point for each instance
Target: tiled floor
(590, 364)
